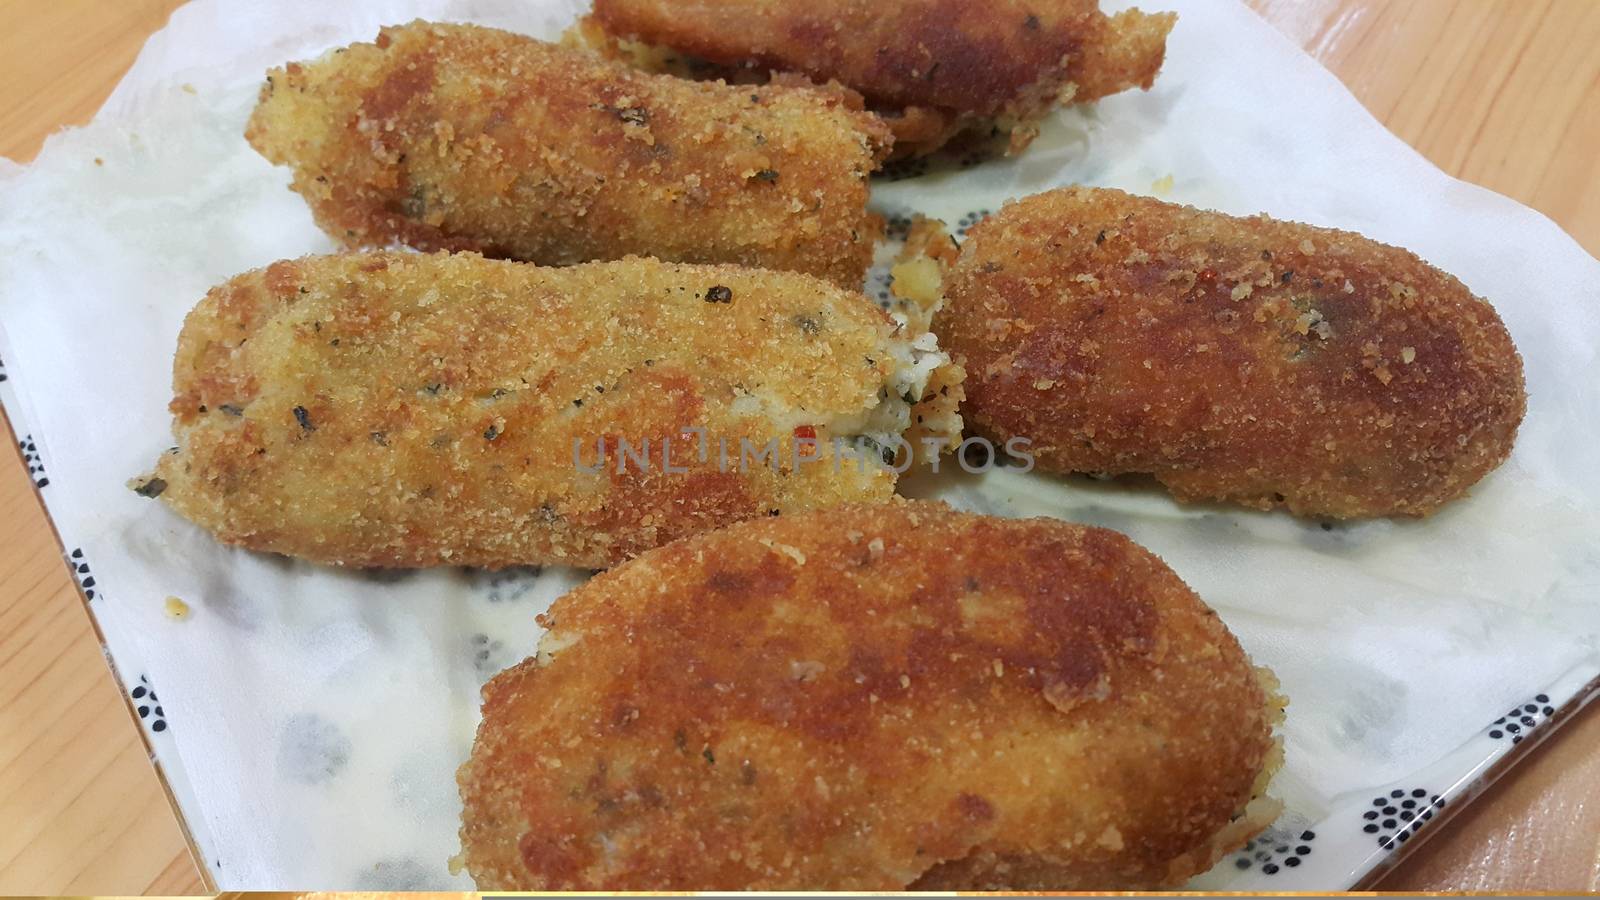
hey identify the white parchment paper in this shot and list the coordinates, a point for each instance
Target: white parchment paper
(314, 718)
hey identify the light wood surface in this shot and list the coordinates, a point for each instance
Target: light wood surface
(1505, 93)
(82, 810)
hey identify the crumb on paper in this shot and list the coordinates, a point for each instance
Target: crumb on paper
(148, 486)
(188, 88)
(177, 609)
(1162, 186)
(98, 161)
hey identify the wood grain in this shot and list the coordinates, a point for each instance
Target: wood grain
(1505, 93)
(84, 810)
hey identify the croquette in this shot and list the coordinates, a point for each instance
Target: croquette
(397, 409)
(933, 68)
(882, 696)
(1244, 360)
(459, 137)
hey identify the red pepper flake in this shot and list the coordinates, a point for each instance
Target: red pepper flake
(806, 433)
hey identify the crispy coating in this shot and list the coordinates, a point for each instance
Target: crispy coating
(1247, 360)
(398, 409)
(872, 697)
(933, 67)
(459, 137)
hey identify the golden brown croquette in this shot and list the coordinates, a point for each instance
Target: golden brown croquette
(934, 68)
(1247, 360)
(878, 696)
(459, 137)
(398, 409)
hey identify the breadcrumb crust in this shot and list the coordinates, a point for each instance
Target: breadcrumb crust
(933, 68)
(873, 697)
(1248, 360)
(459, 137)
(397, 409)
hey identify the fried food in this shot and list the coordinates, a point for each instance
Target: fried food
(873, 697)
(1247, 360)
(396, 409)
(934, 68)
(458, 137)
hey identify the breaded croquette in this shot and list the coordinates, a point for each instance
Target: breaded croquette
(458, 137)
(396, 409)
(873, 697)
(1245, 360)
(934, 68)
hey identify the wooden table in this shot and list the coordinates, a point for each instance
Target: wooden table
(1502, 92)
